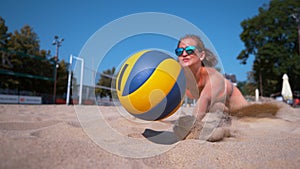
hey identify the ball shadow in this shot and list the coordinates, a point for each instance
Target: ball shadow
(160, 137)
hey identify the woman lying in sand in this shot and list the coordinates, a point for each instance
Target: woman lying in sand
(213, 92)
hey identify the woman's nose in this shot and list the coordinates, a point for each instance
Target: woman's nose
(184, 54)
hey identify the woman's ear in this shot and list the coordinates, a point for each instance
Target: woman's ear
(202, 55)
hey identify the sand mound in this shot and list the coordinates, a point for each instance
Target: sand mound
(257, 110)
(50, 136)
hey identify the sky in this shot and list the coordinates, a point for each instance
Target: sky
(78, 21)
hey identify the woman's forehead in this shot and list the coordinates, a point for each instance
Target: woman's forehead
(188, 42)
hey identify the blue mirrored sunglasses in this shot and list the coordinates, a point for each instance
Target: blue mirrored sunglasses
(189, 50)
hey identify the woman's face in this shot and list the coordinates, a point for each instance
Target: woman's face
(188, 60)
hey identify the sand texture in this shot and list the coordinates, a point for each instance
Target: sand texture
(51, 136)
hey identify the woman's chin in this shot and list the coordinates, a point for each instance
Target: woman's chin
(186, 64)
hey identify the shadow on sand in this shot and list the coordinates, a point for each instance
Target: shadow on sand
(160, 137)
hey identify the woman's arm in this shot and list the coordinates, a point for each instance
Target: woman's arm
(202, 103)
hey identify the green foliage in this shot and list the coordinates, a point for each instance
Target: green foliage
(105, 81)
(25, 66)
(62, 78)
(25, 41)
(4, 35)
(248, 88)
(272, 38)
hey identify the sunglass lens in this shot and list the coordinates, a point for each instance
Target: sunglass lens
(179, 51)
(190, 49)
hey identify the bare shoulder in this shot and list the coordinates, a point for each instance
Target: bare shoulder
(214, 74)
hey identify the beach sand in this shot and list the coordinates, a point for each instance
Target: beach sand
(51, 136)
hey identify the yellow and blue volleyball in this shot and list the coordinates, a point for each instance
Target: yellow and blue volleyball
(151, 85)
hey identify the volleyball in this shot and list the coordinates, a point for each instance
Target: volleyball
(151, 85)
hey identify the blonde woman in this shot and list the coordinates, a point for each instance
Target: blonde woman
(214, 94)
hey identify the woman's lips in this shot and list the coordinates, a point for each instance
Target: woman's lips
(185, 60)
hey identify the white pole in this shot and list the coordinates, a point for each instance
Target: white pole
(81, 81)
(69, 81)
(256, 95)
(81, 78)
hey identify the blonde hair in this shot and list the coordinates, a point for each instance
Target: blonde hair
(210, 59)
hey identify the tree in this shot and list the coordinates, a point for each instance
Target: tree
(29, 59)
(25, 41)
(105, 82)
(62, 78)
(272, 38)
(4, 35)
(24, 66)
(248, 88)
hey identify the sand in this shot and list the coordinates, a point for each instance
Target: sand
(51, 136)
